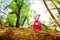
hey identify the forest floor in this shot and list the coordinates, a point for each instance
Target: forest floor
(25, 34)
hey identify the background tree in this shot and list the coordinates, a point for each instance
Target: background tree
(55, 20)
(18, 7)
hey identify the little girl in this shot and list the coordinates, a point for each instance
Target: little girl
(37, 24)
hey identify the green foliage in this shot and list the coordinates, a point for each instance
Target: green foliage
(19, 2)
(50, 20)
(10, 21)
(44, 28)
(24, 13)
(58, 1)
(13, 7)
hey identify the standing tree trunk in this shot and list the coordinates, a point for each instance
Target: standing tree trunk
(18, 14)
(51, 13)
(18, 18)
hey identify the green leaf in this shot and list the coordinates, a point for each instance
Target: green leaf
(10, 21)
(13, 7)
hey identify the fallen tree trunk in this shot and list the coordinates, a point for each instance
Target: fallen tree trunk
(24, 34)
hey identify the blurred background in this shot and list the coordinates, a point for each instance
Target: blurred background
(16, 13)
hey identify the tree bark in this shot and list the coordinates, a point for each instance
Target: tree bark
(13, 13)
(51, 14)
(18, 14)
(18, 18)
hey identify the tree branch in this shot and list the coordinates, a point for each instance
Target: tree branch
(21, 5)
(13, 13)
(8, 5)
(18, 14)
(3, 12)
(24, 21)
(51, 14)
(17, 4)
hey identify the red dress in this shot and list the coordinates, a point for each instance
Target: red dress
(37, 26)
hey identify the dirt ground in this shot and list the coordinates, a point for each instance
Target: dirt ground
(25, 34)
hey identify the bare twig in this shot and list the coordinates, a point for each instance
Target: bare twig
(3, 12)
(8, 5)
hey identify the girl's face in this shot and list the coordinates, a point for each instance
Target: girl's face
(36, 18)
